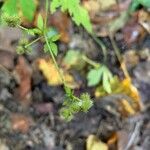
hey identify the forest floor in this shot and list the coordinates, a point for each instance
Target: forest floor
(29, 105)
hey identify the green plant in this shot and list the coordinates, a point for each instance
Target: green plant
(72, 104)
(24, 7)
(77, 12)
(135, 4)
(98, 74)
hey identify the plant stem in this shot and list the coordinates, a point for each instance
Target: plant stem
(23, 28)
(49, 47)
(34, 41)
(101, 44)
(119, 57)
(116, 49)
(91, 62)
(54, 60)
(46, 16)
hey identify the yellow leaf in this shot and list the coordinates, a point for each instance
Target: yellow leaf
(113, 139)
(127, 107)
(93, 143)
(123, 87)
(51, 74)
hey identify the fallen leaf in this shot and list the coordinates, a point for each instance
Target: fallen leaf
(51, 74)
(128, 109)
(93, 143)
(62, 22)
(21, 123)
(113, 139)
(144, 19)
(7, 59)
(23, 72)
(133, 31)
(123, 87)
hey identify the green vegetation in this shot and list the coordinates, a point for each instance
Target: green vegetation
(12, 10)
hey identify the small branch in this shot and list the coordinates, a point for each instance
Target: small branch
(102, 45)
(46, 16)
(23, 28)
(119, 57)
(34, 41)
(54, 60)
(134, 135)
(91, 62)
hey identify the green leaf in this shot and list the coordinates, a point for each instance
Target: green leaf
(51, 32)
(106, 80)
(94, 76)
(135, 4)
(55, 37)
(72, 57)
(10, 7)
(106, 84)
(46, 49)
(54, 48)
(145, 3)
(78, 13)
(34, 31)
(54, 5)
(13, 7)
(28, 8)
(40, 22)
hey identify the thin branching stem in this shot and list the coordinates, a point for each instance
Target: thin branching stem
(102, 45)
(91, 62)
(46, 16)
(50, 49)
(119, 57)
(34, 41)
(23, 28)
(54, 60)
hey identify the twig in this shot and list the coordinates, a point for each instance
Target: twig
(134, 135)
(101, 44)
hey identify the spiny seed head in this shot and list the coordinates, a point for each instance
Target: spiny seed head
(11, 21)
(21, 49)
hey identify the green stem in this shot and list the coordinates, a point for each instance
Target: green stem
(119, 57)
(34, 41)
(116, 49)
(101, 44)
(76, 98)
(50, 49)
(54, 60)
(46, 16)
(23, 28)
(91, 62)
